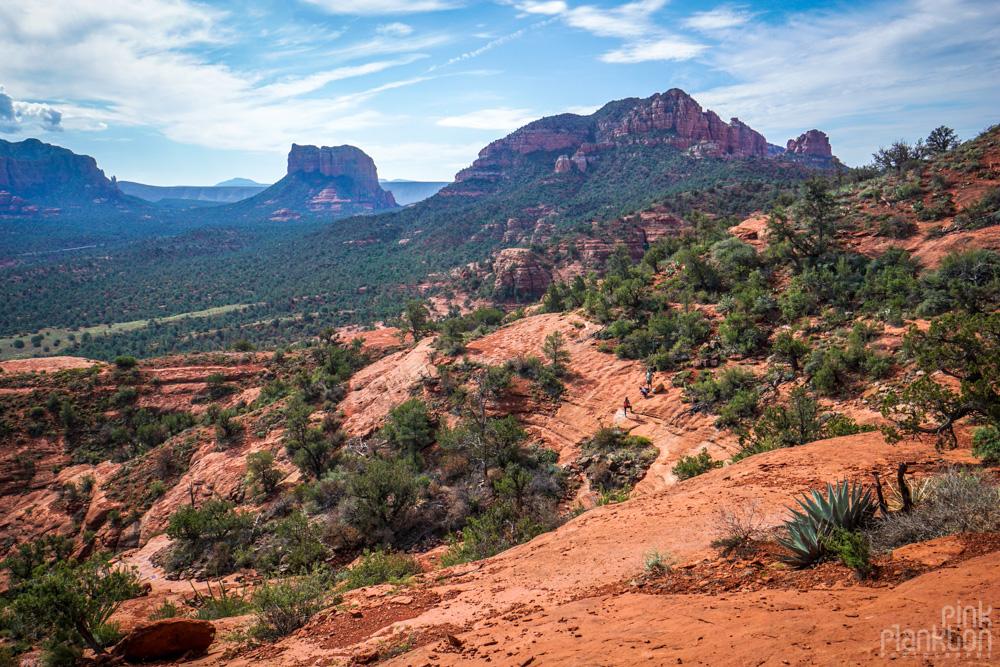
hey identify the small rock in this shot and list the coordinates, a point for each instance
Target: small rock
(365, 656)
(455, 641)
(401, 599)
(356, 613)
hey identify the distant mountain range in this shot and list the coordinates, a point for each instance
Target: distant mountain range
(405, 192)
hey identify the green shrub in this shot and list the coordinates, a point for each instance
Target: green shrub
(261, 473)
(215, 520)
(220, 603)
(692, 466)
(739, 333)
(125, 363)
(851, 548)
(379, 567)
(498, 529)
(408, 428)
(986, 444)
(897, 227)
(384, 491)
(282, 606)
(168, 609)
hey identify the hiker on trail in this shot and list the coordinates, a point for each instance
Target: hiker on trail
(644, 391)
(649, 378)
(628, 406)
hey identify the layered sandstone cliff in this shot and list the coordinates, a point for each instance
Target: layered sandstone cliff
(811, 144)
(32, 169)
(353, 176)
(672, 119)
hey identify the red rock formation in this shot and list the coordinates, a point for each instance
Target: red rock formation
(672, 118)
(520, 270)
(169, 637)
(335, 162)
(31, 168)
(562, 164)
(813, 143)
(676, 111)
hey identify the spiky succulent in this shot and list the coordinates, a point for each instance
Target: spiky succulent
(847, 506)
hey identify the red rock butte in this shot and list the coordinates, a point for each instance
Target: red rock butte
(813, 143)
(337, 161)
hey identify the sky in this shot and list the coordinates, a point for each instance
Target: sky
(174, 92)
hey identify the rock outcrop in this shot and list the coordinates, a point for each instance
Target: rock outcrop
(520, 271)
(170, 637)
(672, 118)
(811, 144)
(35, 170)
(352, 174)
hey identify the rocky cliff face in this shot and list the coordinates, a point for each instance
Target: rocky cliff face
(353, 176)
(32, 169)
(672, 119)
(811, 144)
(520, 271)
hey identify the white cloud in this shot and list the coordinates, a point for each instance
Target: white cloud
(717, 19)
(397, 28)
(889, 69)
(379, 7)
(502, 118)
(632, 22)
(16, 117)
(313, 82)
(137, 63)
(583, 110)
(670, 48)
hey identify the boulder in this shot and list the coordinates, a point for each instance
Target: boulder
(166, 638)
(520, 271)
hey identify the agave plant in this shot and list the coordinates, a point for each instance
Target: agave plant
(847, 506)
(920, 491)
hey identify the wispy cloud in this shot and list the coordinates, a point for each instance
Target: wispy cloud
(380, 7)
(632, 22)
(397, 28)
(502, 118)
(722, 18)
(155, 64)
(890, 67)
(496, 42)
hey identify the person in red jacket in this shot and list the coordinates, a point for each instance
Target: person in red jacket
(628, 406)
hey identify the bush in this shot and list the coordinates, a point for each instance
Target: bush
(959, 501)
(379, 567)
(168, 609)
(76, 601)
(408, 428)
(498, 529)
(282, 606)
(851, 548)
(897, 227)
(261, 473)
(692, 466)
(215, 520)
(125, 363)
(220, 603)
(986, 444)
(384, 491)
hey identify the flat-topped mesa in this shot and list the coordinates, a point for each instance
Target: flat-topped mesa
(335, 162)
(811, 144)
(672, 118)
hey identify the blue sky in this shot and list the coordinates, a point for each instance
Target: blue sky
(173, 92)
